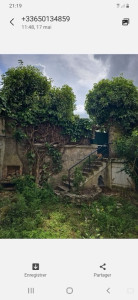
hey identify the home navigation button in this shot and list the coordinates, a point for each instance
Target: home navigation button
(69, 290)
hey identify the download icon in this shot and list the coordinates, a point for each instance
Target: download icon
(35, 266)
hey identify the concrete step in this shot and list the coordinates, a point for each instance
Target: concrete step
(86, 196)
(97, 163)
(94, 167)
(62, 188)
(86, 169)
(57, 193)
(86, 173)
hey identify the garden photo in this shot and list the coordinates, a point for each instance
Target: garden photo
(68, 146)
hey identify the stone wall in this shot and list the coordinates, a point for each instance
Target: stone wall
(72, 154)
(13, 160)
(119, 178)
(102, 173)
(10, 162)
(110, 171)
(112, 175)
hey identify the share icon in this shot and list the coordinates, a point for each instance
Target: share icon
(103, 266)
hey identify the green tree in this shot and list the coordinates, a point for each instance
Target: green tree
(28, 97)
(127, 148)
(61, 104)
(23, 89)
(114, 102)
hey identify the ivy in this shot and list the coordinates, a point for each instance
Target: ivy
(30, 157)
(55, 156)
(19, 135)
(77, 129)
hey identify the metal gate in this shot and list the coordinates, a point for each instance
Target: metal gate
(101, 138)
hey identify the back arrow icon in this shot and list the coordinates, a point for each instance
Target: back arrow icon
(11, 22)
(108, 290)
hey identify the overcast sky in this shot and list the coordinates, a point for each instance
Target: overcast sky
(78, 71)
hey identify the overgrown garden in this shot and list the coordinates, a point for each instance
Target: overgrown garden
(34, 212)
(41, 113)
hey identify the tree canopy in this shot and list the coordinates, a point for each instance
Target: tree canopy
(61, 103)
(113, 102)
(28, 97)
(22, 91)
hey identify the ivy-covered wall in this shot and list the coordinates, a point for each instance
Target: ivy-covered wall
(14, 161)
(59, 151)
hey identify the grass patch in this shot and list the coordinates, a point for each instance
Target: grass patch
(33, 212)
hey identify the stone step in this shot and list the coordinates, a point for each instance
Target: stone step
(62, 188)
(86, 173)
(87, 170)
(97, 163)
(95, 167)
(91, 168)
(57, 193)
(85, 197)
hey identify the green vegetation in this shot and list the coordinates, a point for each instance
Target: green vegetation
(77, 129)
(56, 156)
(23, 90)
(78, 179)
(127, 148)
(61, 104)
(33, 212)
(114, 102)
(28, 98)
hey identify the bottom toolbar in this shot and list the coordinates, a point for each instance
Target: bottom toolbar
(68, 269)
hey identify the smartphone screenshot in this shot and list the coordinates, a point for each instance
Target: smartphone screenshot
(68, 150)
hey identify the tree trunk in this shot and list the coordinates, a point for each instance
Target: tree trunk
(114, 134)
